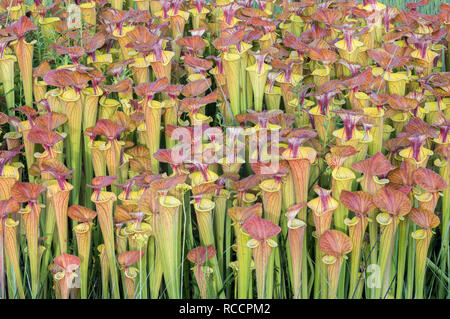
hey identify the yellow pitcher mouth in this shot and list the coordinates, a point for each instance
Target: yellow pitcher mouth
(302, 153)
(374, 112)
(296, 223)
(270, 185)
(205, 205)
(101, 59)
(169, 201)
(398, 76)
(295, 79)
(423, 197)
(125, 30)
(165, 58)
(69, 95)
(419, 234)
(329, 259)
(82, 228)
(195, 12)
(54, 188)
(316, 206)
(11, 222)
(9, 57)
(429, 56)
(306, 103)
(133, 196)
(10, 172)
(423, 155)
(384, 219)
(343, 174)
(342, 44)
(254, 69)
(197, 177)
(103, 197)
(321, 72)
(351, 222)
(49, 20)
(90, 91)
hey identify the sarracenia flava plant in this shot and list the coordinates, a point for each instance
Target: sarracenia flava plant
(29, 193)
(199, 256)
(394, 205)
(83, 232)
(335, 245)
(261, 232)
(104, 203)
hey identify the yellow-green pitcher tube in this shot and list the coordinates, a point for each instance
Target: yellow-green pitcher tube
(98, 157)
(232, 66)
(166, 234)
(30, 219)
(7, 71)
(39, 89)
(88, 13)
(83, 233)
(300, 168)
(117, 4)
(272, 98)
(89, 101)
(12, 250)
(153, 125)
(444, 171)
(272, 202)
(333, 266)
(258, 82)
(104, 267)
(205, 222)
(288, 200)
(60, 203)
(123, 40)
(244, 257)
(388, 230)
(47, 26)
(73, 109)
(54, 101)
(296, 234)
(198, 17)
(24, 129)
(323, 124)
(161, 68)
(396, 82)
(24, 54)
(357, 228)
(342, 179)
(261, 252)
(219, 226)
(107, 108)
(9, 177)
(140, 235)
(112, 151)
(104, 206)
(155, 268)
(403, 232)
(377, 130)
(170, 118)
(423, 238)
(49, 229)
(141, 4)
(141, 71)
(130, 275)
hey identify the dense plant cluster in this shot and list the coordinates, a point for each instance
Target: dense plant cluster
(224, 149)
